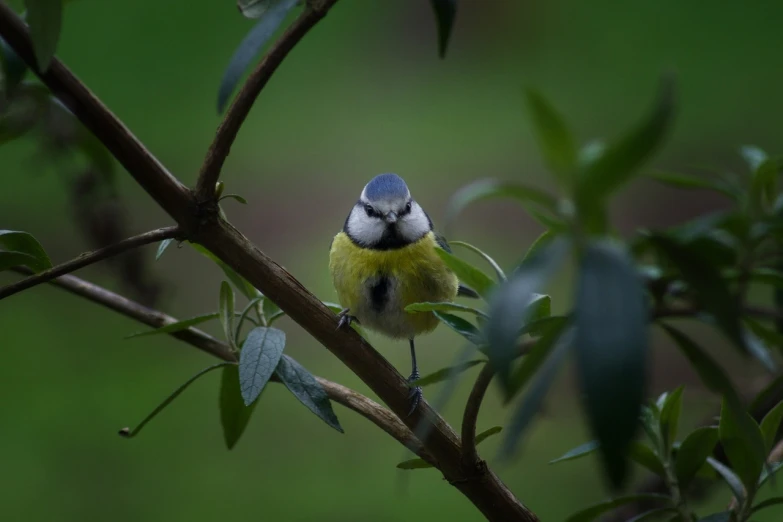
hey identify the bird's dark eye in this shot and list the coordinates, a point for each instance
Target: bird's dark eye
(407, 207)
(370, 211)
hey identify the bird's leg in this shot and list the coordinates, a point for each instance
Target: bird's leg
(345, 318)
(415, 394)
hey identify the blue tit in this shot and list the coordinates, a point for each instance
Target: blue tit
(385, 259)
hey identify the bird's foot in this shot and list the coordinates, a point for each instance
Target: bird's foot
(415, 394)
(345, 318)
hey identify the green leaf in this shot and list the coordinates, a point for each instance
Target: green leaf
(610, 315)
(24, 243)
(237, 197)
(443, 307)
(723, 516)
(693, 452)
(743, 443)
(768, 472)
(535, 358)
(128, 433)
(175, 327)
(492, 189)
(258, 359)
(554, 139)
(585, 449)
(270, 310)
(770, 425)
(646, 457)
(239, 282)
(686, 182)
(227, 312)
(544, 239)
(462, 327)
(593, 512)
(445, 11)
(304, 386)
(768, 396)
(444, 373)
(467, 273)
(234, 415)
(414, 464)
(45, 19)
(251, 305)
(12, 259)
(731, 478)
(753, 156)
(509, 308)
(498, 271)
(250, 46)
(759, 351)
(484, 435)
(670, 417)
(653, 514)
(13, 68)
(162, 248)
(774, 501)
(649, 420)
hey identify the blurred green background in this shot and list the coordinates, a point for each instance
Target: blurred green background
(364, 93)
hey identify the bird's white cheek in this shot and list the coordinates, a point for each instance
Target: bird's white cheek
(365, 229)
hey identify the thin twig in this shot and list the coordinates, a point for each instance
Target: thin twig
(89, 258)
(349, 398)
(469, 453)
(227, 132)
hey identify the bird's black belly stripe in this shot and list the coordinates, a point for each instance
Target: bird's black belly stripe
(379, 293)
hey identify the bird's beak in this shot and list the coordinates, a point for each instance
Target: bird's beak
(391, 218)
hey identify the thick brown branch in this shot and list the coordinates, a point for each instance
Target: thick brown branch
(240, 107)
(88, 259)
(469, 454)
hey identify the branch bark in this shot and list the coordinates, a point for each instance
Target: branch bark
(88, 259)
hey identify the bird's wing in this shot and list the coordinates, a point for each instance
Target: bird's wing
(463, 290)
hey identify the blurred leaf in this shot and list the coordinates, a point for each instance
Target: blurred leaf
(414, 464)
(593, 512)
(653, 514)
(540, 308)
(542, 240)
(490, 189)
(444, 373)
(700, 226)
(554, 138)
(13, 67)
(537, 327)
(769, 472)
(509, 308)
(498, 271)
(162, 247)
(234, 196)
(723, 516)
(670, 417)
(128, 433)
(578, 452)
(253, 8)
(175, 327)
(770, 425)
(684, 181)
(445, 11)
(768, 396)
(733, 481)
(649, 419)
(753, 156)
(693, 452)
(239, 282)
(234, 415)
(711, 291)
(25, 243)
(610, 314)
(759, 351)
(250, 46)
(535, 358)
(484, 435)
(590, 152)
(258, 359)
(12, 259)
(644, 456)
(443, 307)
(307, 389)
(467, 273)
(774, 501)
(45, 19)
(531, 403)
(462, 327)
(227, 312)
(743, 443)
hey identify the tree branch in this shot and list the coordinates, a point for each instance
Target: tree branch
(88, 259)
(313, 12)
(469, 454)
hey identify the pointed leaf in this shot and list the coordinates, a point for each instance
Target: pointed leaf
(731, 478)
(467, 273)
(644, 456)
(535, 358)
(484, 435)
(593, 512)
(759, 351)
(227, 312)
(443, 307)
(693, 452)
(22, 242)
(444, 373)
(462, 327)
(162, 248)
(770, 426)
(250, 46)
(239, 282)
(12, 259)
(44, 18)
(670, 417)
(544, 239)
(258, 359)
(768, 472)
(234, 415)
(611, 345)
(554, 138)
(686, 182)
(498, 271)
(304, 386)
(774, 501)
(588, 448)
(743, 443)
(175, 327)
(237, 197)
(414, 464)
(445, 11)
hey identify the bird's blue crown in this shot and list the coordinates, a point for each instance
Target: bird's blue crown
(386, 186)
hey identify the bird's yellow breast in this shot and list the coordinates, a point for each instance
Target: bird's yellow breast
(378, 284)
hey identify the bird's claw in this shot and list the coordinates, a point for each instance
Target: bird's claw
(345, 318)
(415, 395)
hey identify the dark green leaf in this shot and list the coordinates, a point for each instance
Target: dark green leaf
(270, 309)
(542, 240)
(227, 312)
(743, 443)
(759, 351)
(414, 464)
(12, 259)
(175, 327)
(670, 417)
(443, 307)
(128, 433)
(250, 46)
(462, 327)
(510, 309)
(767, 503)
(693, 452)
(467, 273)
(770, 425)
(498, 271)
(649, 419)
(250, 306)
(653, 514)
(590, 152)
(644, 456)
(684, 181)
(537, 327)
(768, 472)
(258, 359)
(723, 516)
(304, 386)
(540, 308)
(484, 435)
(535, 358)
(585, 449)
(162, 247)
(444, 373)
(25, 243)
(234, 415)
(13, 67)
(239, 282)
(768, 396)
(554, 138)
(234, 196)
(445, 11)
(593, 512)
(610, 314)
(44, 18)
(733, 481)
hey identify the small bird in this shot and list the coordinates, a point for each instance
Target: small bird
(385, 259)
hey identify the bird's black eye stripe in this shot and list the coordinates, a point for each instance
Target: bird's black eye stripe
(370, 211)
(407, 208)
